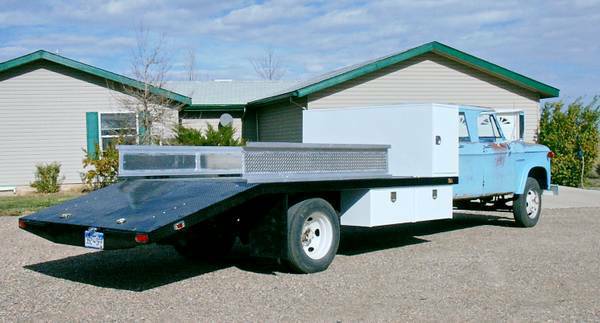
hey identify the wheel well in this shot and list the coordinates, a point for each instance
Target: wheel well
(539, 173)
(332, 197)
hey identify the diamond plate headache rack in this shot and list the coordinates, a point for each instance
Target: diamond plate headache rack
(258, 162)
(282, 162)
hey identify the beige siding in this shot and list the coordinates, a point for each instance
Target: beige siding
(432, 78)
(201, 124)
(200, 120)
(42, 119)
(280, 122)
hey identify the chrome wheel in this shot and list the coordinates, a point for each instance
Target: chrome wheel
(317, 235)
(533, 204)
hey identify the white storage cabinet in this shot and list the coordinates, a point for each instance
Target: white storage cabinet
(424, 143)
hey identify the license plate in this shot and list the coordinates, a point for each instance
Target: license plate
(94, 239)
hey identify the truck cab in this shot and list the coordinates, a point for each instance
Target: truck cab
(494, 169)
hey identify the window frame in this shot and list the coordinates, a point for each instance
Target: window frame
(495, 129)
(468, 137)
(101, 137)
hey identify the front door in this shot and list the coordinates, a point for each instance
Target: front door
(470, 152)
(498, 174)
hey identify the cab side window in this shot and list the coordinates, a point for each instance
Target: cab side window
(487, 128)
(463, 129)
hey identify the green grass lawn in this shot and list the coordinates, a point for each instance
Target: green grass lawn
(21, 205)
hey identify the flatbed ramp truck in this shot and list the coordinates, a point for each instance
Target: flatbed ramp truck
(286, 200)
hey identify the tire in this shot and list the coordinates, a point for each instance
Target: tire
(205, 242)
(313, 235)
(527, 207)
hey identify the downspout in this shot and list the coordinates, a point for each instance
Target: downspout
(256, 125)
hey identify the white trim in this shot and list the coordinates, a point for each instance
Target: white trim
(8, 188)
(137, 126)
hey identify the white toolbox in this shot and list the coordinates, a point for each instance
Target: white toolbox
(423, 137)
(384, 206)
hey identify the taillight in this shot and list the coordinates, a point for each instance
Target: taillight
(142, 238)
(551, 154)
(22, 224)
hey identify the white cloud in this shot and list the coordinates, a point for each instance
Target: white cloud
(555, 41)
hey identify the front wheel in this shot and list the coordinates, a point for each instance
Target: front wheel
(313, 235)
(527, 207)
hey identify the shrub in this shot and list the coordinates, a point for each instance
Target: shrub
(47, 178)
(221, 136)
(105, 167)
(572, 133)
(188, 136)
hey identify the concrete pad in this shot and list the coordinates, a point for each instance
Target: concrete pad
(570, 197)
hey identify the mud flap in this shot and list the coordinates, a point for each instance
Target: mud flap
(268, 232)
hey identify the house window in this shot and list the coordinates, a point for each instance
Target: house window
(118, 125)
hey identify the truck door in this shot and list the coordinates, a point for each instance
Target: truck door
(496, 162)
(470, 172)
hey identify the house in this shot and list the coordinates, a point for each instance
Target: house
(211, 99)
(432, 72)
(52, 107)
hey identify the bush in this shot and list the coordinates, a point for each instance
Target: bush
(567, 132)
(47, 178)
(105, 167)
(221, 136)
(188, 136)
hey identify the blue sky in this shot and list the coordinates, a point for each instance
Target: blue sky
(556, 42)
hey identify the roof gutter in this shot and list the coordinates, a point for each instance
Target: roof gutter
(215, 107)
(274, 98)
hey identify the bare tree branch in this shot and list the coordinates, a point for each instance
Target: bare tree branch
(268, 67)
(150, 65)
(190, 65)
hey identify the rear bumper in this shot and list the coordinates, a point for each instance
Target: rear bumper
(74, 235)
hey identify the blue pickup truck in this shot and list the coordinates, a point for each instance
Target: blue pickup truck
(498, 173)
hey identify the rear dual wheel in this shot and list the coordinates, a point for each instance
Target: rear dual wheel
(313, 235)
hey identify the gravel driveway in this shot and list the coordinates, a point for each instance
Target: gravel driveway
(472, 268)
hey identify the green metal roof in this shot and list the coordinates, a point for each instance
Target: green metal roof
(42, 55)
(345, 74)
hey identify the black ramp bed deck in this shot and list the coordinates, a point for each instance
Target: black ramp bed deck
(133, 206)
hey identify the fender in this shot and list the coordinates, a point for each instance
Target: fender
(524, 173)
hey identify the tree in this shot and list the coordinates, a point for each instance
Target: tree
(572, 134)
(268, 67)
(190, 65)
(155, 111)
